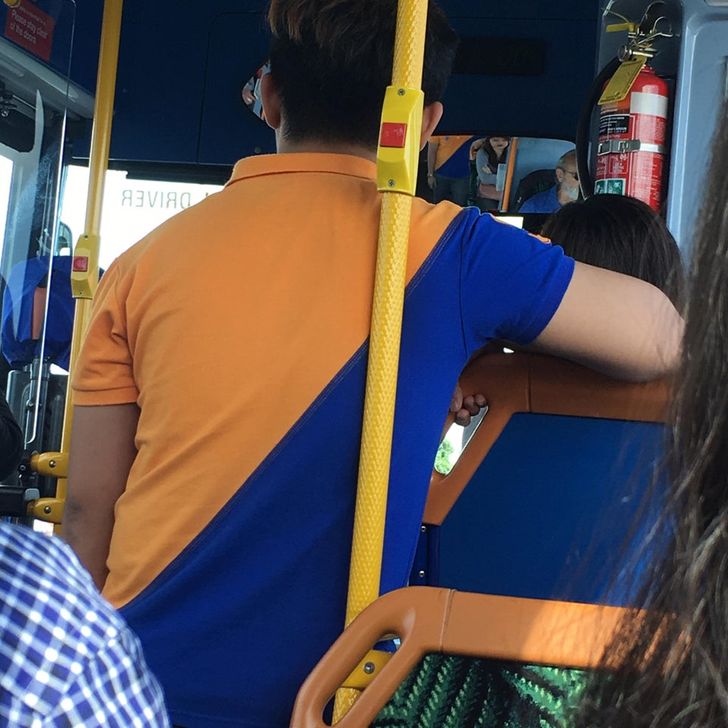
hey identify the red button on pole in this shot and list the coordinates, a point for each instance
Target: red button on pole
(393, 135)
(80, 264)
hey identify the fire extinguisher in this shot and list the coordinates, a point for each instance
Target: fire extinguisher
(632, 141)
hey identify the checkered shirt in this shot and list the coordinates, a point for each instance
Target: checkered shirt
(66, 657)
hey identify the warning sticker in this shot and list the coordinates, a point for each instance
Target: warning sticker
(31, 29)
(613, 124)
(609, 187)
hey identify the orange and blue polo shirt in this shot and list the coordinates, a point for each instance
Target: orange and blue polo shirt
(240, 329)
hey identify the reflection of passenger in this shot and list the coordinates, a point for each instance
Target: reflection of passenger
(564, 191)
(488, 154)
(251, 92)
(621, 234)
(448, 168)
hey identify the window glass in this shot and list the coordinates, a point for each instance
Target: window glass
(132, 208)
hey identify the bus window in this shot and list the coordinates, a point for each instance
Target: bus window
(132, 208)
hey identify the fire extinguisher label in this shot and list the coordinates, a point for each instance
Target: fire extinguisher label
(645, 178)
(650, 104)
(613, 124)
(650, 129)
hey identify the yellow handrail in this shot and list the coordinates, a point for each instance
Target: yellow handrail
(397, 175)
(85, 275)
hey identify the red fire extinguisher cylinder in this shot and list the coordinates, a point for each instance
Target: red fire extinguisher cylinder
(632, 141)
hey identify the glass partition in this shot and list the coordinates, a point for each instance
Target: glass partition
(37, 308)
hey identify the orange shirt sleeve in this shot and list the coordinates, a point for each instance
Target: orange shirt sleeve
(104, 372)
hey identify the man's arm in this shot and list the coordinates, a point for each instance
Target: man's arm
(102, 453)
(618, 325)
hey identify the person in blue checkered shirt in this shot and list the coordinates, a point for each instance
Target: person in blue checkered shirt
(66, 657)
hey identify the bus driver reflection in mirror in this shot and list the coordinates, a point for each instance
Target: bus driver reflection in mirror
(565, 190)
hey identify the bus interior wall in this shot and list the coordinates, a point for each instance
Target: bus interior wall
(191, 103)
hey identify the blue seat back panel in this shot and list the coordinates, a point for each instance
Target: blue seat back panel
(549, 512)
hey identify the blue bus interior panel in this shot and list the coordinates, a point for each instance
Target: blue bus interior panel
(183, 65)
(549, 512)
(229, 130)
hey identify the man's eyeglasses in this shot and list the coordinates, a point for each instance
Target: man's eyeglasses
(575, 175)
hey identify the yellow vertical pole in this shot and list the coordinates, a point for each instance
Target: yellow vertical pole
(85, 275)
(397, 175)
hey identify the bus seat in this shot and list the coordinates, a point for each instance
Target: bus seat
(23, 312)
(495, 633)
(542, 501)
(532, 184)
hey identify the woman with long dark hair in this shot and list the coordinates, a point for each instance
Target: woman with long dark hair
(674, 661)
(622, 234)
(487, 155)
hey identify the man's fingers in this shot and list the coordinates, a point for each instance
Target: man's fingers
(470, 405)
(457, 400)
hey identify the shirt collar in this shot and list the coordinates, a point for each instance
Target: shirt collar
(267, 164)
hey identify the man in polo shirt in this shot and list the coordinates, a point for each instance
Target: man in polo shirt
(565, 190)
(219, 397)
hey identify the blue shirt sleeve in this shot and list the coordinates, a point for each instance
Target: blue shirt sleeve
(511, 282)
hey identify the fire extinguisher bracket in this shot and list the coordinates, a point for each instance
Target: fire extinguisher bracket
(628, 146)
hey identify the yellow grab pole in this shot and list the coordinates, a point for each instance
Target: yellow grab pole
(397, 161)
(85, 269)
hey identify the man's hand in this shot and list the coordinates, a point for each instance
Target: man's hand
(465, 408)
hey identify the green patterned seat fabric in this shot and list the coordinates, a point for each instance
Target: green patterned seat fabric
(446, 691)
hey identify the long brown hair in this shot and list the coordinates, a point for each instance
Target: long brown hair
(678, 676)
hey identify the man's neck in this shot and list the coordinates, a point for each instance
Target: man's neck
(286, 146)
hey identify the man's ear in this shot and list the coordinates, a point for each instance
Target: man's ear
(271, 102)
(431, 115)
(559, 175)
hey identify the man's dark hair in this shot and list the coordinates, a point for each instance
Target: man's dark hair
(331, 61)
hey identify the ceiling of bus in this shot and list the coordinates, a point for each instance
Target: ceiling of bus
(183, 64)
